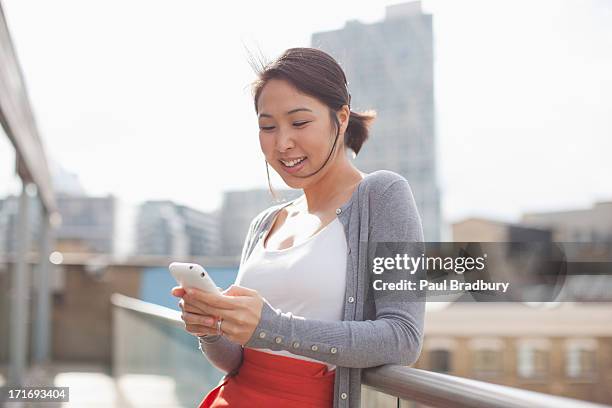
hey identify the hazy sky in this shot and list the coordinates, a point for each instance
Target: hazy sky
(151, 99)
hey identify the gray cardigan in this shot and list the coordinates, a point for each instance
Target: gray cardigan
(379, 327)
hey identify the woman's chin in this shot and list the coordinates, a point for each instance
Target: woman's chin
(292, 182)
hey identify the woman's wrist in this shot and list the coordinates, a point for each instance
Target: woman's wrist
(209, 338)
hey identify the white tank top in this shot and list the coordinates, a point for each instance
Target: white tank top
(307, 279)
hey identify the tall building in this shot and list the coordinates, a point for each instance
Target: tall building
(65, 182)
(88, 224)
(166, 228)
(238, 210)
(389, 67)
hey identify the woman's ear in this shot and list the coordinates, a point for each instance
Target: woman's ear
(344, 114)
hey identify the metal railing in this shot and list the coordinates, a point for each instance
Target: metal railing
(442, 390)
(385, 386)
(18, 122)
(154, 360)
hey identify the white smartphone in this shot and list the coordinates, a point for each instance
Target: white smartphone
(190, 275)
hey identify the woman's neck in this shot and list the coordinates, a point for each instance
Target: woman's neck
(342, 176)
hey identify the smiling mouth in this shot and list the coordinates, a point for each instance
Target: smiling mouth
(292, 163)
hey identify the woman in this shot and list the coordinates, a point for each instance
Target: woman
(302, 318)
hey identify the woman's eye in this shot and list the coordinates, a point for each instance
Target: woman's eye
(296, 124)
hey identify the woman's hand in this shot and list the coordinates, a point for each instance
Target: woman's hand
(239, 307)
(195, 322)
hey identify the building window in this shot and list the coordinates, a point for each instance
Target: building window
(440, 361)
(533, 355)
(580, 358)
(487, 357)
(440, 353)
(487, 363)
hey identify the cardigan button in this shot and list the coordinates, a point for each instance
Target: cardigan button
(296, 344)
(343, 395)
(278, 340)
(333, 350)
(262, 335)
(338, 210)
(351, 299)
(314, 347)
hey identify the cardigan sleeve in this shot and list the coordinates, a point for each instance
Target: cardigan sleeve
(220, 351)
(395, 336)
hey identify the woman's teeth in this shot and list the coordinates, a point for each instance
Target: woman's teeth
(293, 163)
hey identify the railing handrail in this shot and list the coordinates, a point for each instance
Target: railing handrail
(433, 389)
(108, 260)
(147, 308)
(443, 390)
(18, 122)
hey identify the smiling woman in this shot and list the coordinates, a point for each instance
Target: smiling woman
(299, 323)
(304, 95)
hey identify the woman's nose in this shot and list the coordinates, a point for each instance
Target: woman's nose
(284, 141)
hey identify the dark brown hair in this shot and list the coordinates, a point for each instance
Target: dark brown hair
(317, 74)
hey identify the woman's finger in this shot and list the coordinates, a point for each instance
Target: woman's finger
(196, 319)
(206, 309)
(192, 309)
(213, 299)
(237, 290)
(185, 307)
(188, 307)
(178, 291)
(228, 328)
(198, 330)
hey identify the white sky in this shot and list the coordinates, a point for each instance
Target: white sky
(150, 99)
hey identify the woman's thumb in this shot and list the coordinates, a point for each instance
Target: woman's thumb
(236, 290)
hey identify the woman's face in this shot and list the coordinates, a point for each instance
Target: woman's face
(293, 127)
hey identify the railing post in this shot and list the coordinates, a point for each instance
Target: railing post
(42, 338)
(19, 294)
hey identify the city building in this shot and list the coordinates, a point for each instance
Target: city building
(389, 67)
(65, 182)
(557, 348)
(580, 225)
(88, 224)
(238, 210)
(579, 267)
(167, 228)
(485, 230)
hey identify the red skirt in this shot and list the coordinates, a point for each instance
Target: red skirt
(271, 380)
